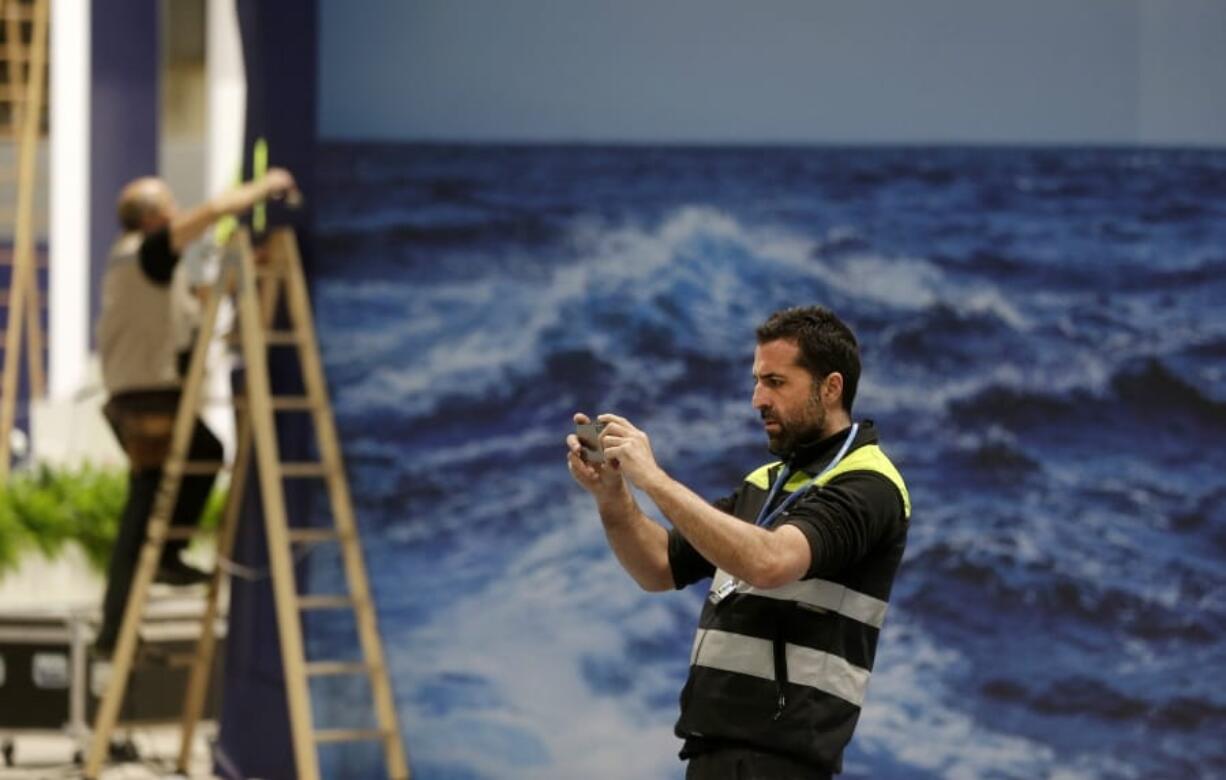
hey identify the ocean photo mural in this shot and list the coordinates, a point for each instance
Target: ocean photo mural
(1044, 351)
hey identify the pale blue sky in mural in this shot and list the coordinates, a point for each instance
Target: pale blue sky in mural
(775, 71)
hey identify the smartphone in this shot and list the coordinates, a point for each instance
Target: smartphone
(589, 439)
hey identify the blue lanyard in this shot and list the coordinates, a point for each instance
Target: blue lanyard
(764, 519)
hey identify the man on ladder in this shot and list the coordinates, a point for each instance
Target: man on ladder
(144, 324)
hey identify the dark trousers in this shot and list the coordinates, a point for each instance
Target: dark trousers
(142, 490)
(735, 763)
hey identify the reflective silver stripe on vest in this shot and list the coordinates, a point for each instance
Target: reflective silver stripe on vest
(822, 594)
(749, 655)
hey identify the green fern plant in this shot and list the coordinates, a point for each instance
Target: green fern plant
(47, 508)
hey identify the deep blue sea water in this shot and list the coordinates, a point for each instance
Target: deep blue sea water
(1044, 346)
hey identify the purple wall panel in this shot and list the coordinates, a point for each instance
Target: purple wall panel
(124, 65)
(279, 49)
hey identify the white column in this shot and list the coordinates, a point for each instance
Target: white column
(225, 113)
(227, 97)
(68, 305)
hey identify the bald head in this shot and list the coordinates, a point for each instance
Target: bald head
(145, 204)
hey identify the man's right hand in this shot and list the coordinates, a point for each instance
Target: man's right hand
(278, 182)
(189, 225)
(600, 479)
(641, 545)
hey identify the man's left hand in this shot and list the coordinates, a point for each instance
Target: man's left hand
(628, 449)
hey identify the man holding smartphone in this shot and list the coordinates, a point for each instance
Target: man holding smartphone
(801, 557)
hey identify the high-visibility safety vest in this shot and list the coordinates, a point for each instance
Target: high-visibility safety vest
(786, 669)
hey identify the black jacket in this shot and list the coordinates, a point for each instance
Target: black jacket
(785, 670)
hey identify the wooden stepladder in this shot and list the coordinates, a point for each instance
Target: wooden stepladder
(280, 276)
(24, 92)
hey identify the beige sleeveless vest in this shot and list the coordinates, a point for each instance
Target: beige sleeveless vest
(142, 324)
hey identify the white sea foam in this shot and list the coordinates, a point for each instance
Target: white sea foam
(900, 283)
(906, 715)
(484, 330)
(560, 600)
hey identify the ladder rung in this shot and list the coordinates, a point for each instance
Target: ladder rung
(303, 469)
(6, 256)
(313, 535)
(6, 296)
(294, 402)
(20, 12)
(349, 735)
(337, 668)
(4, 335)
(280, 403)
(177, 660)
(198, 467)
(326, 602)
(181, 532)
(282, 337)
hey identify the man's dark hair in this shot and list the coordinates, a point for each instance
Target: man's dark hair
(826, 344)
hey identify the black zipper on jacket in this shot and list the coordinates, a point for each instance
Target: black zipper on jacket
(781, 663)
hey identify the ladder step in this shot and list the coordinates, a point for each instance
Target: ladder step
(293, 403)
(179, 660)
(6, 296)
(282, 338)
(198, 467)
(326, 602)
(181, 532)
(6, 256)
(336, 668)
(303, 469)
(313, 535)
(18, 12)
(350, 735)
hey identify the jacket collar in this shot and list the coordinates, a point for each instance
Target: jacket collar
(812, 457)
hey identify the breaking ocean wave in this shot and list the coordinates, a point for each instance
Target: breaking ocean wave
(1042, 335)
